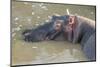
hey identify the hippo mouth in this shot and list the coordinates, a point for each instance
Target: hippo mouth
(36, 36)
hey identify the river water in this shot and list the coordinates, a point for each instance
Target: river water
(27, 15)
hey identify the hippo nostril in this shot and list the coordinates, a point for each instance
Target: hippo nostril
(26, 34)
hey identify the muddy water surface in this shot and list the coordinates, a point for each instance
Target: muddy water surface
(27, 15)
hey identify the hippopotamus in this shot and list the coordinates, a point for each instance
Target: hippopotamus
(75, 29)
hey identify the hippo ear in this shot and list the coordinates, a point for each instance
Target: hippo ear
(66, 19)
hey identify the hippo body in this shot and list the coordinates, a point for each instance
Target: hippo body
(86, 31)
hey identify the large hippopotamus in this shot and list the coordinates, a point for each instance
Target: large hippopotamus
(75, 29)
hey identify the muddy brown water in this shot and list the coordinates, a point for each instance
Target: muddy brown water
(27, 15)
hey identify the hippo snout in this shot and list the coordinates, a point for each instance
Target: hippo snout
(27, 35)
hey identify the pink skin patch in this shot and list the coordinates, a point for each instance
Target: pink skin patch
(71, 24)
(69, 28)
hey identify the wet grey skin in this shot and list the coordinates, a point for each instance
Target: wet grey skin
(45, 32)
(84, 33)
(38, 34)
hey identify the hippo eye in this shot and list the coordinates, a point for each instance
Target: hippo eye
(58, 25)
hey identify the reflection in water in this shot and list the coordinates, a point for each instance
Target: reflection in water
(27, 15)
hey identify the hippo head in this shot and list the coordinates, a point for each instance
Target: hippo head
(48, 31)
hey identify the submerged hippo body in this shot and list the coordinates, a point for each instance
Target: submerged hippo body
(80, 30)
